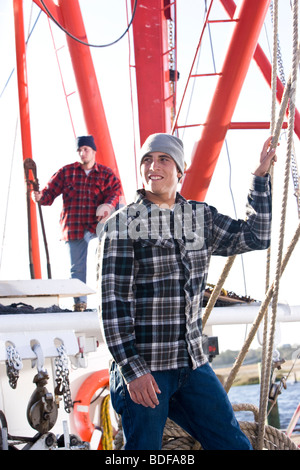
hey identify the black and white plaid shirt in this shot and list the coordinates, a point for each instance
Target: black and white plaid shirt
(154, 270)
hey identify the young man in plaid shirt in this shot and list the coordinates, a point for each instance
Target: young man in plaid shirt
(91, 192)
(155, 259)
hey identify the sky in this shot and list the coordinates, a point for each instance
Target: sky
(53, 136)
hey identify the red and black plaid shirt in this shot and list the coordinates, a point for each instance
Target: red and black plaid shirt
(82, 194)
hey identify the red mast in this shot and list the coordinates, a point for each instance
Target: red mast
(25, 126)
(151, 46)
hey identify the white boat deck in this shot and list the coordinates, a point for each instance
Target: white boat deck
(79, 332)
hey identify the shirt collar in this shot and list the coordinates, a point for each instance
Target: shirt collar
(94, 167)
(140, 198)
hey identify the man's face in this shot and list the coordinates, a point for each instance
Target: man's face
(159, 173)
(86, 154)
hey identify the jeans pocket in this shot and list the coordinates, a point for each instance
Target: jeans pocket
(117, 390)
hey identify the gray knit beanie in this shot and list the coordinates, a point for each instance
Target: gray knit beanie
(165, 143)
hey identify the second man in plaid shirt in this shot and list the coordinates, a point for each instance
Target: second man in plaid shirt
(91, 192)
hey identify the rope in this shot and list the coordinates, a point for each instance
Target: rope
(107, 436)
(217, 289)
(289, 94)
(294, 166)
(274, 8)
(273, 438)
(261, 313)
(296, 181)
(119, 441)
(175, 438)
(273, 112)
(277, 130)
(269, 293)
(231, 259)
(267, 365)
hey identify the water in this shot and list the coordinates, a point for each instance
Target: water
(288, 401)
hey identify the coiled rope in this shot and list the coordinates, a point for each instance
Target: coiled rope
(107, 436)
(175, 438)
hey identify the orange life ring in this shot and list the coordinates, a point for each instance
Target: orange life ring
(88, 388)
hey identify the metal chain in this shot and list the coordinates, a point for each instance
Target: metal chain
(62, 377)
(13, 365)
(296, 180)
(294, 166)
(171, 45)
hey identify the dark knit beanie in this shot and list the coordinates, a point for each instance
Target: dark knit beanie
(87, 140)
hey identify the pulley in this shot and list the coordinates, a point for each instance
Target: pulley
(41, 410)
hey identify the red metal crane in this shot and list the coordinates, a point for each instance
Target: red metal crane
(156, 75)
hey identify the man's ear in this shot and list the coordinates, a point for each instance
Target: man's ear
(179, 174)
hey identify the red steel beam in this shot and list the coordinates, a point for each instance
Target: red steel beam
(150, 32)
(240, 125)
(250, 18)
(87, 84)
(265, 66)
(25, 124)
(68, 14)
(253, 125)
(52, 7)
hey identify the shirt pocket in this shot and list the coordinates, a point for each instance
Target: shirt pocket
(96, 195)
(154, 262)
(69, 195)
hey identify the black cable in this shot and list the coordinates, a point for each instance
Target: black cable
(86, 43)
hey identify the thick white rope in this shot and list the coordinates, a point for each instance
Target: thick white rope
(291, 119)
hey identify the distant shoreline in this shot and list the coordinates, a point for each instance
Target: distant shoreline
(249, 374)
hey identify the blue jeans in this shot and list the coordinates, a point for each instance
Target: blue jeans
(78, 250)
(194, 399)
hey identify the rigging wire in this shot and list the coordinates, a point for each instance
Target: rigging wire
(194, 81)
(13, 70)
(132, 104)
(14, 145)
(226, 144)
(230, 172)
(8, 193)
(87, 43)
(61, 76)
